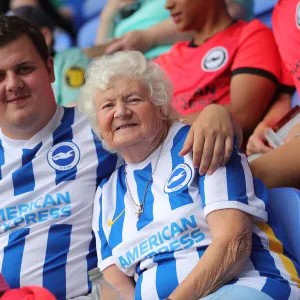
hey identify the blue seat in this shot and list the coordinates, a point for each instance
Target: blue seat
(261, 7)
(263, 11)
(284, 218)
(63, 41)
(295, 100)
(87, 33)
(77, 8)
(92, 8)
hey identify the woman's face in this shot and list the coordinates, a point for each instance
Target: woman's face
(126, 115)
(188, 14)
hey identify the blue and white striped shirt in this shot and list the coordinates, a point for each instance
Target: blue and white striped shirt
(47, 186)
(161, 247)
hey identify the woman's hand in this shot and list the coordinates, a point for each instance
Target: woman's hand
(257, 142)
(113, 7)
(211, 138)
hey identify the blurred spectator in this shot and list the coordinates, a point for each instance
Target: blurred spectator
(228, 62)
(280, 167)
(257, 143)
(55, 11)
(269, 167)
(125, 16)
(17, 3)
(69, 65)
(241, 9)
(286, 24)
(145, 32)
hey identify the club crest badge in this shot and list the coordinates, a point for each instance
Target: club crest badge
(298, 16)
(64, 156)
(214, 59)
(178, 179)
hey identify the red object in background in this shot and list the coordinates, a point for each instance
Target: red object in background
(3, 284)
(290, 115)
(28, 293)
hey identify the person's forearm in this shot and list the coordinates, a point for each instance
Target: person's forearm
(271, 170)
(221, 262)
(281, 107)
(105, 29)
(165, 33)
(123, 283)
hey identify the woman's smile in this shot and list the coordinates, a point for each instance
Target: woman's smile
(125, 126)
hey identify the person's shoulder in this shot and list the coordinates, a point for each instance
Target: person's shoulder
(178, 49)
(178, 132)
(255, 27)
(112, 179)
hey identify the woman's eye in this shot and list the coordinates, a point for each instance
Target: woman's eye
(108, 105)
(134, 100)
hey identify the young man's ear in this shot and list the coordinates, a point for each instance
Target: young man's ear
(48, 35)
(50, 68)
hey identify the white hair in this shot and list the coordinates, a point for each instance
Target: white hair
(128, 64)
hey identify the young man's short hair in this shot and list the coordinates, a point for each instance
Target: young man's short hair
(13, 27)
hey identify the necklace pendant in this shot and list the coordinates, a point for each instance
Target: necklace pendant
(139, 212)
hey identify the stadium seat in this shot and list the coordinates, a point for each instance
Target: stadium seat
(263, 11)
(295, 100)
(63, 41)
(284, 218)
(92, 8)
(260, 7)
(87, 33)
(77, 8)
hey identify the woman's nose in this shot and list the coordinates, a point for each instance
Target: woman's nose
(121, 110)
(14, 83)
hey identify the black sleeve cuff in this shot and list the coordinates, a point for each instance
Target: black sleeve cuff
(256, 71)
(286, 89)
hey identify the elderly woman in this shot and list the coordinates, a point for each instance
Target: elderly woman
(163, 230)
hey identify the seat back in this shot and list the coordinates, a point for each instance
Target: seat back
(263, 11)
(284, 218)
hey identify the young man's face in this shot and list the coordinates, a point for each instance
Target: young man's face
(26, 97)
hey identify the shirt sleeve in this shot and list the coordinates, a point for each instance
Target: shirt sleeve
(257, 53)
(233, 186)
(104, 253)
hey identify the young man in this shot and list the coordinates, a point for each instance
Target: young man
(69, 65)
(50, 164)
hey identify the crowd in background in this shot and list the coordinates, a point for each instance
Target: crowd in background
(222, 56)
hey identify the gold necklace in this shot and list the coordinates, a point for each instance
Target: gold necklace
(141, 206)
